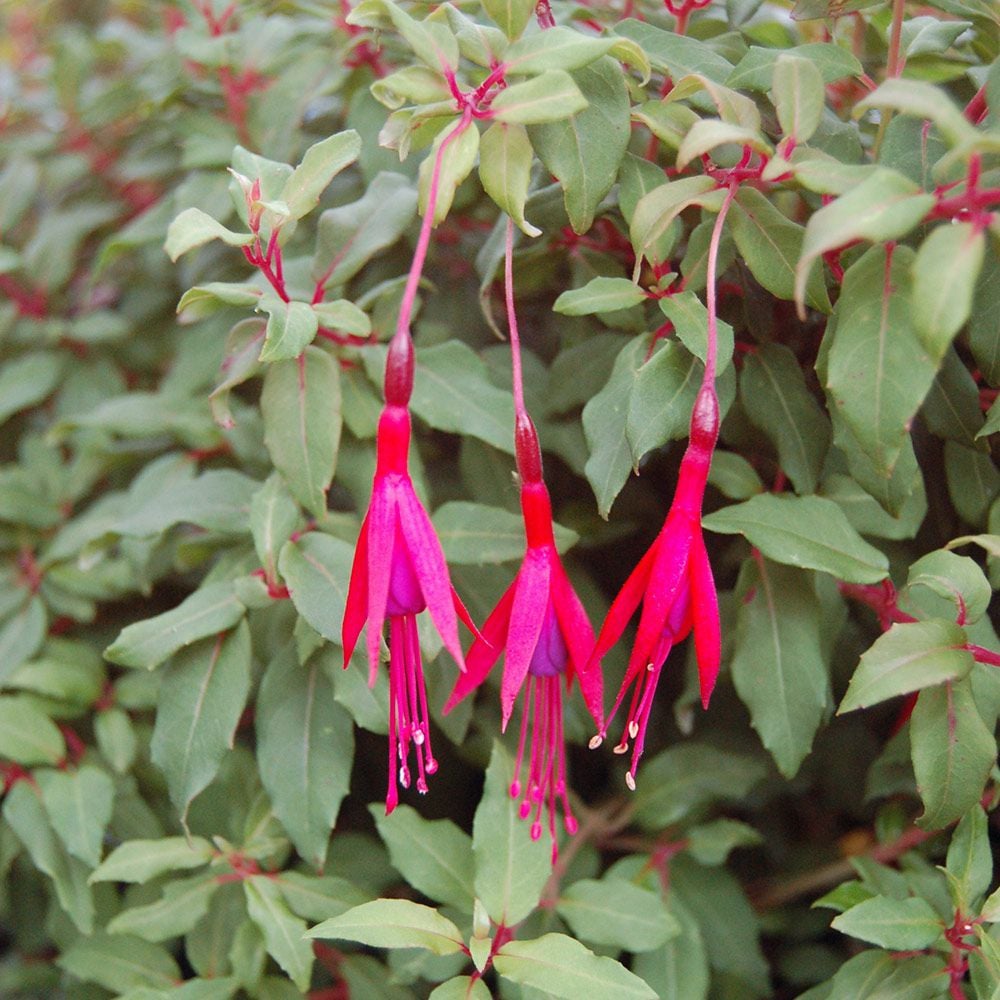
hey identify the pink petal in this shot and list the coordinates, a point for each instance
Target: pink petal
(464, 617)
(356, 608)
(624, 605)
(381, 538)
(667, 578)
(705, 612)
(531, 594)
(431, 569)
(579, 638)
(485, 650)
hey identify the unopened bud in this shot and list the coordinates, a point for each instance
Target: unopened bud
(529, 455)
(705, 419)
(399, 371)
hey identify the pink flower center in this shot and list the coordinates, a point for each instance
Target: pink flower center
(405, 596)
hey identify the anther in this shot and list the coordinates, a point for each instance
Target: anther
(630, 781)
(596, 741)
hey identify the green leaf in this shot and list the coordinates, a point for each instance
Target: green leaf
(884, 206)
(435, 857)
(599, 295)
(680, 967)
(300, 404)
(711, 843)
(476, 534)
(350, 235)
(27, 734)
(505, 160)
(811, 532)
(924, 101)
(393, 923)
(432, 41)
(799, 96)
(291, 326)
(900, 924)
(203, 300)
(120, 963)
(462, 987)
(27, 380)
(944, 279)
(583, 152)
(682, 780)
(656, 210)
(909, 657)
(23, 812)
(284, 933)
(605, 425)
(343, 316)
(776, 399)
(676, 55)
(321, 163)
(771, 244)
(511, 868)
(734, 477)
(878, 975)
(707, 134)
(755, 71)
(618, 914)
(316, 569)
(273, 518)
(193, 228)
(562, 48)
(953, 752)
(141, 860)
(21, 636)
(549, 97)
(316, 897)
(183, 903)
(457, 162)
(957, 578)
(305, 749)
(778, 665)
(562, 967)
(200, 703)
(510, 15)
(116, 738)
(79, 805)
(973, 481)
(208, 611)
(970, 860)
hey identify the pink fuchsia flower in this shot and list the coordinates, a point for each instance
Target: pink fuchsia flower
(674, 583)
(399, 570)
(543, 629)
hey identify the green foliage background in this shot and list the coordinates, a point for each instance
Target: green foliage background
(192, 785)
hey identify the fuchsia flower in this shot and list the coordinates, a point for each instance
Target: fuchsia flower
(673, 580)
(544, 629)
(399, 569)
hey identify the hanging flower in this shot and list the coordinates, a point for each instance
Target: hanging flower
(674, 583)
(543, 629)
(398, 571)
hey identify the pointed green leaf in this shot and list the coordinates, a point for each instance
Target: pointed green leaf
(505, 160)
(549, 97)
(305, 749)
(22, 635)
(120, 963)
(193, 228)
(511, 868)
(183, 903)
(27, 734)
(291, 327)
(316, 569)
(393, 923)
(457, 161)
(300, 403)
(900, 924)
(811, 532)
(208, 611)
(200, 703)
(909, 657)
(141, 860)
(778, 666)
(599, 295)
(970, 859)
(617, 914)
(284, 933)
(512, 16)
(27, 380)
(562, 967)
(944, 280)
(953, 752)
(435, 857)
(799, 96)
(79, 805)
(321, 163)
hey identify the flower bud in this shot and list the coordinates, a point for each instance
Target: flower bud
(529, 455)
(399, 371)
